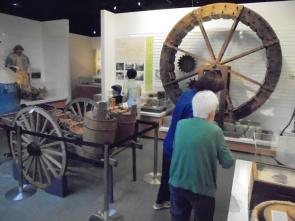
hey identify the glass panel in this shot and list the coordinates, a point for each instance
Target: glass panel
(278, 175)
(274, 150)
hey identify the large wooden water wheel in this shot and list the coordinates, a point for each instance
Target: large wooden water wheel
(43, 159)
(238, 13)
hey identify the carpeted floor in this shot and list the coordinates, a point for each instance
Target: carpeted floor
(133, 200)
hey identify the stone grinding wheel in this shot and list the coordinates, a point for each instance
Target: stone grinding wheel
(237, 13)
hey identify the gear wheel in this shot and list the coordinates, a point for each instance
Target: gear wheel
(186, 63)
(191, 83)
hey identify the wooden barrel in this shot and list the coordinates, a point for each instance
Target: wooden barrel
(262, 211)
(126, 126)
(98, 130)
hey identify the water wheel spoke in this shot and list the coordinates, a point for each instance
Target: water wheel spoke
(73, 110)
(229, 102)
(244, 77)
(227, 40)
(44, 139)
(29, 165)
(191, 54)
(42, 130)
(211, 52)
(44, 168)
(48, 164)
(51, 159)
(53, 152)
(181, 78)
(247, 53)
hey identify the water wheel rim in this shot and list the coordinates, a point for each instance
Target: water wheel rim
(238, 13)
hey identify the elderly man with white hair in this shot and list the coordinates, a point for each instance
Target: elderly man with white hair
(198, 146)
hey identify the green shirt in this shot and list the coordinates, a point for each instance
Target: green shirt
(198, 145)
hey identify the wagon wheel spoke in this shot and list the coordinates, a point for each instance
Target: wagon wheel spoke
(28, 166)
(211, 52)
(181, 79)
(244, 77)
(25, 125)
(52, 160)
(34, 168)
(44, 139)
(44, 169)
(73, 110)
(79, 109)
(51, 151)
(39, 170)
(248, 52)
(24, 138)
(25, 157)
(85, 108)
(37, 123)
(49, 165)
(42, 130)
(32, 123)
(191, 54)
(227, 40)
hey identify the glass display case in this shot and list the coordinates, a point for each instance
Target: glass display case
(273, 169)
(280, 148)
(271, 182)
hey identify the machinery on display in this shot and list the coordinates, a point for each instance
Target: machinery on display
(45, 159)
(239, 14)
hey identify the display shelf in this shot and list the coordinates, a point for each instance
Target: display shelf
(153, 117)
(88, 90)
(238, 207)
(56, 101)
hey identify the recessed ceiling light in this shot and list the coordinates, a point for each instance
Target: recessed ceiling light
(138, 3)
(16, 4)
(115, 7)
(94, 32)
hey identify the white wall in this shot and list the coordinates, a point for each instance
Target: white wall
(80, 59)
(47, 46)
(150, 23)
(56, 57)
(108, 31)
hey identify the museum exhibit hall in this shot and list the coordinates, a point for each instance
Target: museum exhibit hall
(95, 96)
